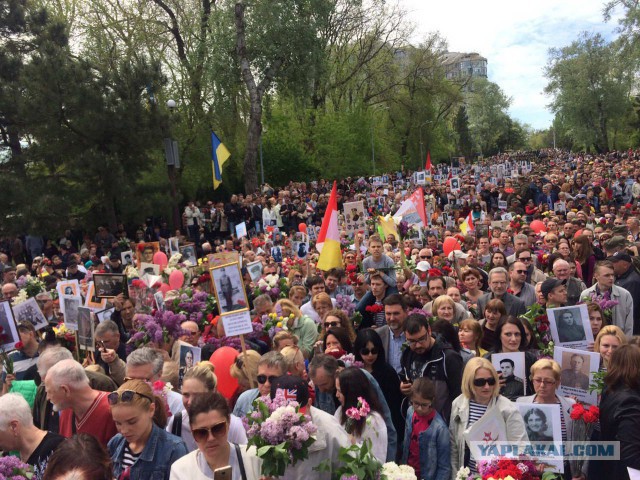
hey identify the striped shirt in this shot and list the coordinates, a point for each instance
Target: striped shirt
(476, 411)
(379, 318)
(129, 457)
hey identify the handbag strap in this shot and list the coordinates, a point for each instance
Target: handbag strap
(176, 428)
(243, 473)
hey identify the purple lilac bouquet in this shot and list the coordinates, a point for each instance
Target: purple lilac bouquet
(194, 305)
(233, 342)
(158, 328)
(12, 468)
(344, 303)
(280, 432)
(604, 301)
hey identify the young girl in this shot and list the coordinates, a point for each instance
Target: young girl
(426, 436)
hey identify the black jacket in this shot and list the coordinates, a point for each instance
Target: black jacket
(619, 422)
(442, 365)
(631, 281)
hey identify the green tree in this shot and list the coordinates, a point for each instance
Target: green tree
(465, 142)
(488, 118)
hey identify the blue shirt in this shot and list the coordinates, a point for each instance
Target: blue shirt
(395, 350)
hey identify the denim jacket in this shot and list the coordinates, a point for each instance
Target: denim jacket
(154, 463)
(435, 448)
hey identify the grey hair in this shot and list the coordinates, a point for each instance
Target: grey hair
(146, 356)
(108, 326)
(497, 270)
(273, 360)
(13, 406)
(263, 299)
(68, 372)
(50, 357)
(561, 262)
(329, 363)
(521, 236)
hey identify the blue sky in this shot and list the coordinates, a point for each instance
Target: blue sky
(515, 37)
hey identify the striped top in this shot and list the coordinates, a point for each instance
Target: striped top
(379, 319)
(476, 411)
(129, 457)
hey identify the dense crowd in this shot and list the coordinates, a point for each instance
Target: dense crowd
(410, 324)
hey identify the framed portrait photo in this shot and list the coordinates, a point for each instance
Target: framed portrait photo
(86, 329)
(127, 258)
(109, 285)
(29, 311)
(71, 305)
(105, 314)
(91, 301)
(9, 333)
(229, 288)
(149, 269)
(68, 287)
(174, 245)
(570, 326)
(189, 254)
(145, 252)
(255, 270)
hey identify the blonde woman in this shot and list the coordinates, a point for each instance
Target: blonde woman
(295, 362)
(481, 399)
(245, 370)
(300, 325)
(201, 380)
(609, 339)
(284, 339)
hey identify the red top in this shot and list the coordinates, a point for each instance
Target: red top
(97, 422)
(418, 425)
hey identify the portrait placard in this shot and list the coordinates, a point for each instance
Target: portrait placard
(513, 370)
(149, 269)
(229, 288)
(68, 287)
(9, 334)
(355, 216)
(189, 357)
(502, 204)
(542, 424)
(255, 270)
(241, 230)
(174, 245)
(29, 311)
(71, 305)
(577, 369)
(570, 326)
(126, 258)
(189, 254)
(237, 323)
(86, 329)
(145, 252)
(105, 314)
(109, 285)
(159, 299)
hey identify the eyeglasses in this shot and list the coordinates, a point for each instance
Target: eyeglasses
(540, 381)
(481, 382)
(550, 240)
(126, 396)
(297, 276)
(359, 284)
(521, 271)
(418, 340)
(424, 406)
(525, 259)
(368, 351)
(331, 324)
(202, 434)
(262, 379)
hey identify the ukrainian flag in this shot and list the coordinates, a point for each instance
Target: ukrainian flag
(219, 155)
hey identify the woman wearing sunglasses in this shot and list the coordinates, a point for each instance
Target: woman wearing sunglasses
(209, 418)
(142, 449)
(200, 380)
(480, 401)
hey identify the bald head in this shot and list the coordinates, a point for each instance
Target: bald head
(9, 291)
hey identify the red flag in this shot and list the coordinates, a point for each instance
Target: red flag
(428, 166)
(417, 198)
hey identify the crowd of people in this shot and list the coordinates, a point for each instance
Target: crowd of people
(405, 325)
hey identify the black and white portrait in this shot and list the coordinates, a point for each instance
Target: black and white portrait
(105, 314)
(570, 326)
(86, 329)
(126, 258)
(71, 305)
(576, 372)
(174, 245)
(149, 269)
(9, 333)
(512, 371)
(189, 254)
(109, 285)
(29, 311)
(276, 253)
(229, 288)
(255, 270)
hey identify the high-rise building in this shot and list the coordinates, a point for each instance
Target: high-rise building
(462, 66)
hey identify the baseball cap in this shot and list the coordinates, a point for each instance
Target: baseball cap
(549, 284)
(619, 257)
(423, 266)
(293, 386)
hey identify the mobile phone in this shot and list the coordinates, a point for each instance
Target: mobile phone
(223, 473)
(100, 345)
(404, 378)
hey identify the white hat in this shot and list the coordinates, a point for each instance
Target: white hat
(423, 266)
(459, 254)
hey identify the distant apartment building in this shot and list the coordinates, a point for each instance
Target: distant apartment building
(460, 66)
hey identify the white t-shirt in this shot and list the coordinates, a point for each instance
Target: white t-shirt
(237, 433)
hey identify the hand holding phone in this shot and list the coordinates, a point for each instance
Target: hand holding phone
(223, 473)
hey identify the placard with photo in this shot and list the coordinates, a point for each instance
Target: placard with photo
(105, 314)
(86, 329)
(189, 358)
(9, 333)
(502, 204)
(255, 270)
(109, 285)
(189, 254)
(29, 311)
(570, 326)
(241, 230)
(512, 367)
(174, 245)
(223, 258)
(229, 288)
(148, 269)
(577, 369)
(126, 258)
(355, 217)
(71, 305)
(68, 287)
(300, 245)
(455, 184)
(145, 252)
(159, 299)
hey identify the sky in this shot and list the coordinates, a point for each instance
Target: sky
(515, 37)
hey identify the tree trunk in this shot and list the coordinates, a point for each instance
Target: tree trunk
(253, 144)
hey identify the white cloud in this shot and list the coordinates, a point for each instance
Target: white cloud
(515, 37)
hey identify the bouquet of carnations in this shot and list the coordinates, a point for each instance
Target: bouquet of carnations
(373, 309)
(349, 360)
(537, 318)
(507, 469)
(580, 430)
(12, 468)
(280, 432)
(357, 413)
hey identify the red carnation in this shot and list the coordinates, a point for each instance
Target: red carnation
(141, 246)
(434, 272)
(19, 346)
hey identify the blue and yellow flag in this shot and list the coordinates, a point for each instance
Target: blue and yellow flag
(219, 155)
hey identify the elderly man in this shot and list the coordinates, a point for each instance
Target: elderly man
(498, 283)
(192, 333)
(82, 409)
(18, 433)
(9, 291)
(146, 364)
(622, 313)
(271, 365)
(575, 286)
(323, 371)
(112, 352)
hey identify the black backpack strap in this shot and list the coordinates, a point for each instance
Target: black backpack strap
(176, 428)
(243, 473)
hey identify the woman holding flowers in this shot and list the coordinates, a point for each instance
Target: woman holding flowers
(300, 325)
(480, 400)
(620, 414)
(359, 411)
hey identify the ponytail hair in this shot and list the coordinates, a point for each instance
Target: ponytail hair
(145, 392)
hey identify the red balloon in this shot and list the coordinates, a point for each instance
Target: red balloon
(302, 228)
(164, 288)
(450, 244)
(538, 226)
(222, 359)
(176, 279)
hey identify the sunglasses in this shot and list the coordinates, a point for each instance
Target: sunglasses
(525, 259)
(262, 379)
(521, 271)
(126, 396)
(331, 324)
(481, 382)
(202, 434)
(369, 351)
(359, 284)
